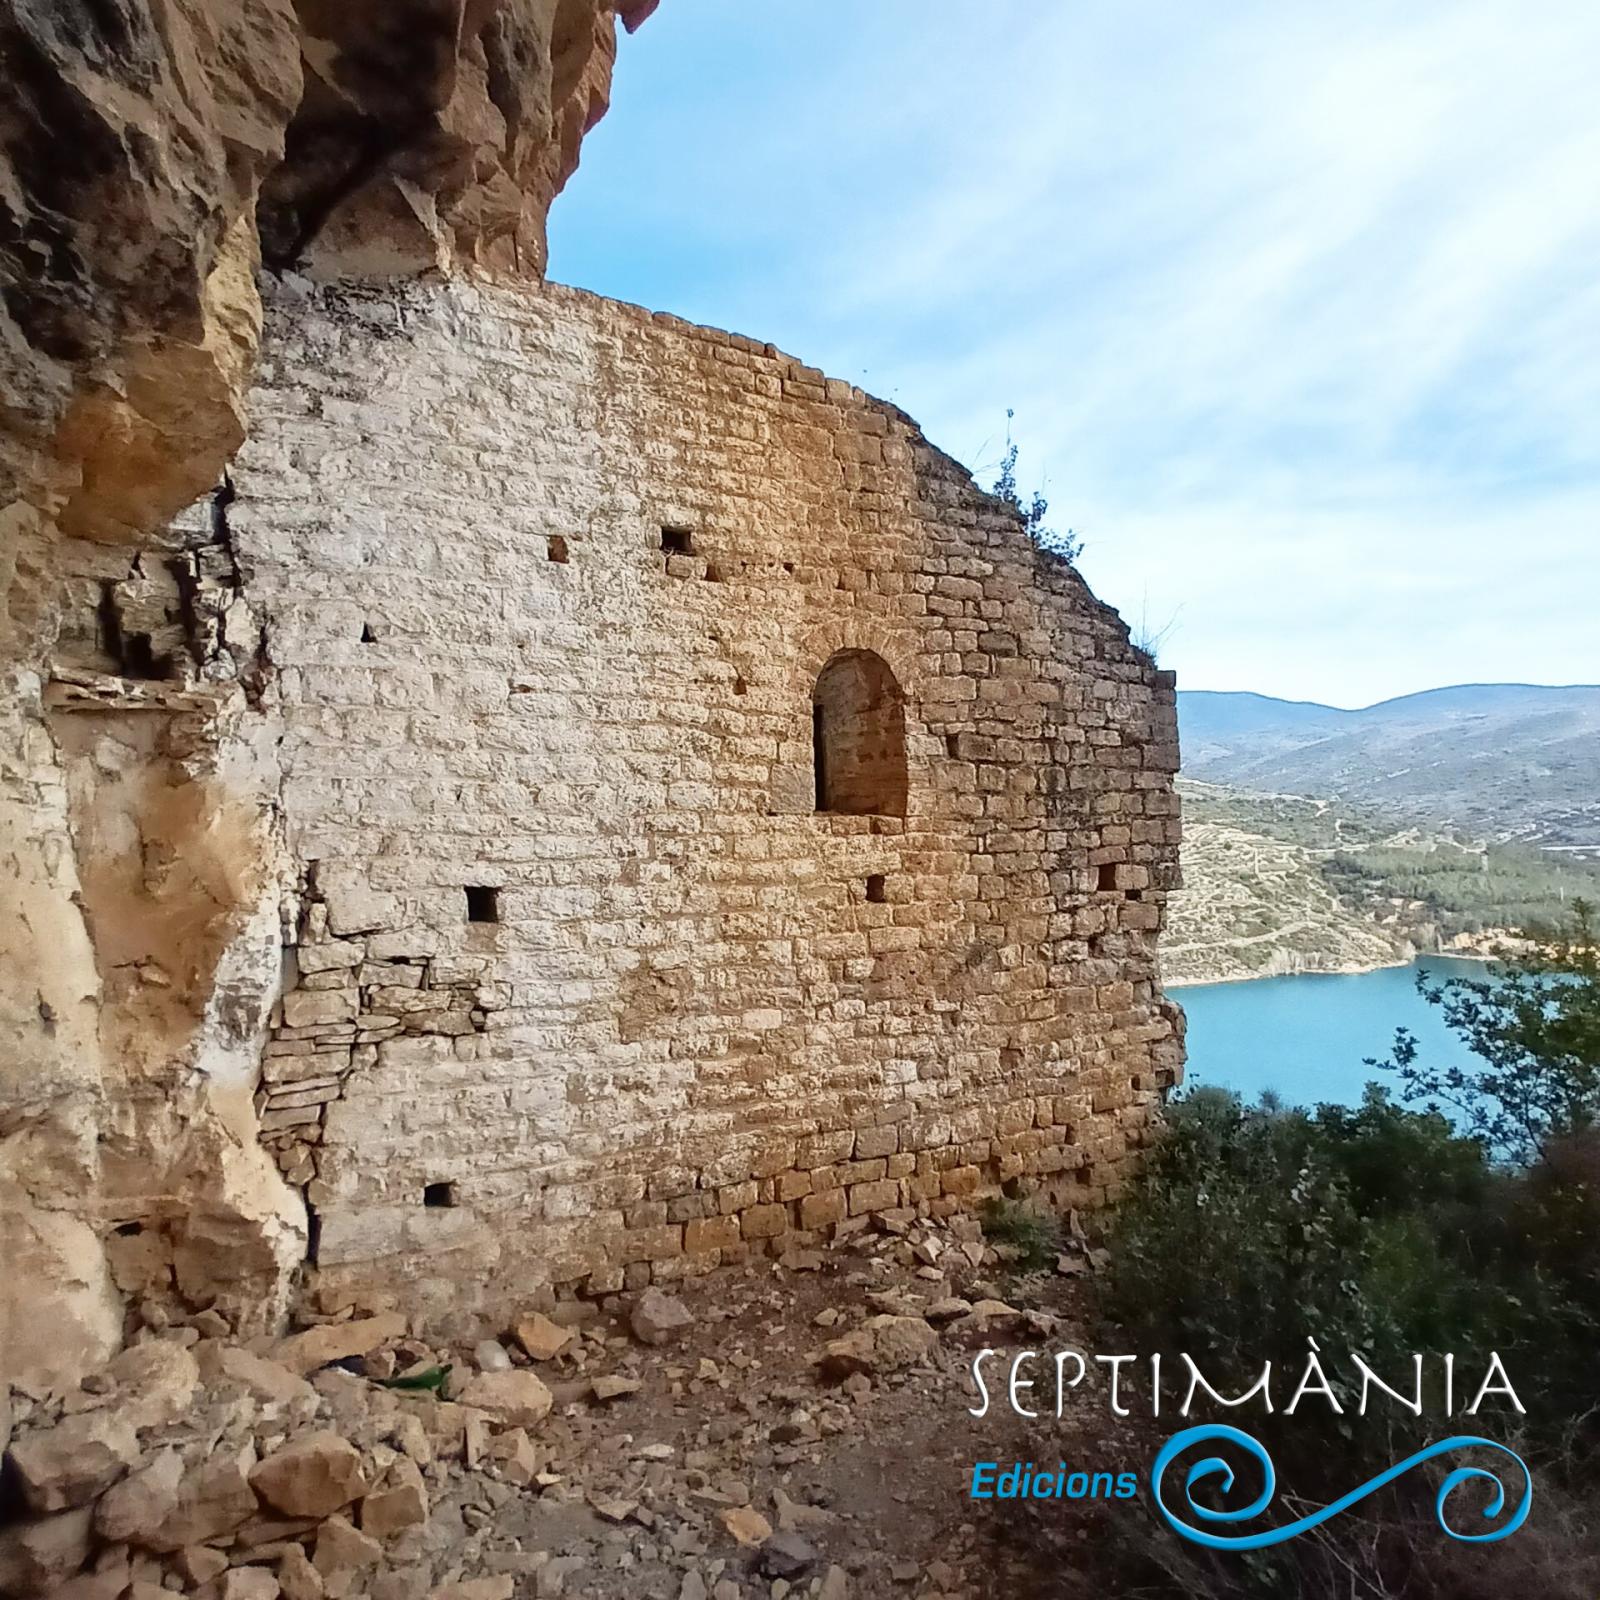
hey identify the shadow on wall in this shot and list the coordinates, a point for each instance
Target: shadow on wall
(858, 737)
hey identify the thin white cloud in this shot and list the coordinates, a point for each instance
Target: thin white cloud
(1298, 307)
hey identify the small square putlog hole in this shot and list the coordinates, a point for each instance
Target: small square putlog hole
(1108, 876)
(483, 903)
(877, 889)
(439, 1194)
(677, 541)
(556, 548)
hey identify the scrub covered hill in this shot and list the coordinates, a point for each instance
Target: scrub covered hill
(1504, 762)
(1281, 883)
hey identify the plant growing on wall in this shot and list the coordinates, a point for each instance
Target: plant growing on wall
(1068, 546)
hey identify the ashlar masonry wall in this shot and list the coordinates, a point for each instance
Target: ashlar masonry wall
(583, 988)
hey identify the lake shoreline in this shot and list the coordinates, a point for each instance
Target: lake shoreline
(1351, 970)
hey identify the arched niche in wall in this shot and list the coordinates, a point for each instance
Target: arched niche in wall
(858, 736)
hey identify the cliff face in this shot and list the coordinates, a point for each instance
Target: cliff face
(137, 137)
(144, 139)
(151, 151)
(436, 133)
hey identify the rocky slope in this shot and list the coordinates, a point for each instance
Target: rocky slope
(1256, 905)
(791, 1429)
(1277, 884)
(1324, 840)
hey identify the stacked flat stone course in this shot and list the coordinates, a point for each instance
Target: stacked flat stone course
(580, 987)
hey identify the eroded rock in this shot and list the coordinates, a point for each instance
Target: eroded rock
(297, 1578)
(68, 1465)
(268, 1381)
(541, 1338)
(341, 1549)
(336, 1341)
(249, 1583)
(214, 1498)
(884, 1343)
(153, 1383)
(787, 1555)
(37, 1555)
(400, 1502)
(502, 1588)
(519, 1399)
(144, 1499)
(427, 137)
(658, 1317)
(747, 1526)
(312, 1476)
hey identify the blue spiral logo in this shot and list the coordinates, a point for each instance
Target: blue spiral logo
(1214, 1467)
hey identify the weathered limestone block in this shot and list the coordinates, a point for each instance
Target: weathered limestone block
(35, 1556)
(70, 1464)
(70, 1320)
(313, 1475)
(518, 1399)
(144, 1499)
(316, 1347)
(214, 1498)
(341, 1550)
(399, 1502)
(541, 1338)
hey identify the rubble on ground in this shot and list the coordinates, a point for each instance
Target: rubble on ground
(640, 1446)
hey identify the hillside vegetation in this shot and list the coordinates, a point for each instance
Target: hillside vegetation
(1390, 1231)
(1280, 883)
(1502, 762)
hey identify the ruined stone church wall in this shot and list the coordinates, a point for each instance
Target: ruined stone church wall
(583, 990)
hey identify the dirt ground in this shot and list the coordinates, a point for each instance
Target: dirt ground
(870, 1474)
(799, 1427)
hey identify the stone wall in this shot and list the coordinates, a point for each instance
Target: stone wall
(583, 989)
(411, 857)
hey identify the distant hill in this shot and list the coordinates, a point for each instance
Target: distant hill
(1504, 761)
(1276, 884)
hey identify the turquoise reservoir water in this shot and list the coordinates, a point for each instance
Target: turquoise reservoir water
(1306, 1036)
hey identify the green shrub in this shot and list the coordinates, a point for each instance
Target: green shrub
(1378, 1231)
(1383, 1230)
(1033, 1237)
(1067, 546)
(1533, 1028)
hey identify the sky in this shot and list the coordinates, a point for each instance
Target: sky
(1297, 306)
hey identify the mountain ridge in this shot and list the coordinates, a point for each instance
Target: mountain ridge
(1506, 761)
(1475, 686)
